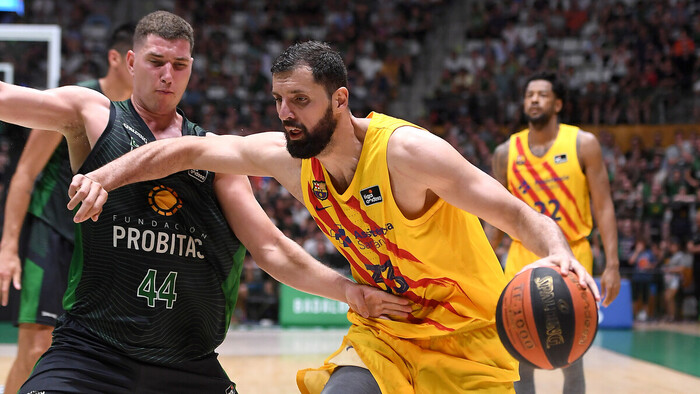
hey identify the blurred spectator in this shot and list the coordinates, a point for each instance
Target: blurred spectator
(644, 280)
(673, 270)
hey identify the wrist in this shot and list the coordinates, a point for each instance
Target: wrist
(612, 264)
(9, 246)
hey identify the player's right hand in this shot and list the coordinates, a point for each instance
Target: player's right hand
(89, 194)
(10, 272)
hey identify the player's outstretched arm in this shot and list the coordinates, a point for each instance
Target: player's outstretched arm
(260, 154)
(37, 151)
(287, 262)
(433, 165)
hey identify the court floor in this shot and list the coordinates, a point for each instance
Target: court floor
(652, 358)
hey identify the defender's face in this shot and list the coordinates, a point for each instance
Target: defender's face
(305, 110)
(161, 70)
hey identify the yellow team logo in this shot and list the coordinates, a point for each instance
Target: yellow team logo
(164, 200)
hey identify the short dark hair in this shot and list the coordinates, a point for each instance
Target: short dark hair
(557, 86)
(326, 65)
(122, 38)
(166, 25)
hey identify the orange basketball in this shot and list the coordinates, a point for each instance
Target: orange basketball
(546, 319)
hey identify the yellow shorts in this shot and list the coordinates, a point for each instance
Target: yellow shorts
(519, 256)
(471, 360)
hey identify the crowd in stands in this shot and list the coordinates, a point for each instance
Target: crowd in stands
(623, 61)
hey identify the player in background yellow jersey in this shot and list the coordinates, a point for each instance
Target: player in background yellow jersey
(555, 168)
(401, 205)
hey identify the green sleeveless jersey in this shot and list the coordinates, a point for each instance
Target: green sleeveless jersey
(50, 194)
(157, 276)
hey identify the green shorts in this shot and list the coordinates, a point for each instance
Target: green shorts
(46, 259)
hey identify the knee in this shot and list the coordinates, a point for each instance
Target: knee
(351, 379)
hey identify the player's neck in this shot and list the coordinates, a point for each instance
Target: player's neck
(341, 156)
(542, 134)
(165, 124)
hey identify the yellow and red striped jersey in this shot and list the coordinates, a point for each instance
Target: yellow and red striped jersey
(441, 261)
(553, 184)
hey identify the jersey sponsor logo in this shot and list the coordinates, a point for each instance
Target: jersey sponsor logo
(155, 236)
(561, 159)
(371, 195)
(159, 242)
(164, 200)
(320, 190)
(373, 232)
(200, 175)
(367, 239)
(133, 131)
(341, 235)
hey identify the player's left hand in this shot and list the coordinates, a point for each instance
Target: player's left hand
(610, 283)
(369, 301)
(568, 263)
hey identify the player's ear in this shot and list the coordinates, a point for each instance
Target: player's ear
(339, 99)
(130, 61)
(558, 105)
(114, 57)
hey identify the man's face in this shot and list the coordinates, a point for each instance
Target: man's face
(540, 102)
(161, 70)
(305, 111)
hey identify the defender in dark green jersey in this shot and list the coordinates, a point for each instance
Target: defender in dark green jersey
(46, 244)
(154, 277)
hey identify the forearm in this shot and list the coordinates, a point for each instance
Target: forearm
(540, 234)
(151, 161)
(288, 263)
(16, 206)
(608, 234)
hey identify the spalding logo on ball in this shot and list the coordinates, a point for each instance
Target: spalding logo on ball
(546, 319)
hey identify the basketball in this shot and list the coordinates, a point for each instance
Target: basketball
(545, 319)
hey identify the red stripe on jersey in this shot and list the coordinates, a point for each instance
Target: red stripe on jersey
(317, 169)
(564, 189)
(323, 219)
(530, 191)
(406, 255)
(545, 188)
(326, 222)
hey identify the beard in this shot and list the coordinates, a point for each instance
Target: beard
(540, 120)
(314, 142)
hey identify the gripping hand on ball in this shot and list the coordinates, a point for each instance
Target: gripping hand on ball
(568, 263)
